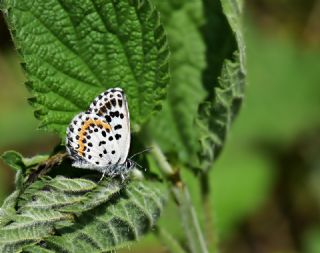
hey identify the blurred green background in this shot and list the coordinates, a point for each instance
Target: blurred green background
(266, 184)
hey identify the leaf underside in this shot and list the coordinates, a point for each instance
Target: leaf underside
(74, 49)
(225, 89)
(77, 215)
(173, 127)
(208, 77)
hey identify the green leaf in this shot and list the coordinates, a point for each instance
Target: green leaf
(226, 90)
(173, 127)
(16, 161)
(7, 211)
(77, 215)
(207, 79)
(73, 50)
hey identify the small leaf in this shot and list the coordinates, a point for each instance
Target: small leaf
(14, 160)
(75, 49)
(72, 185)
(217, 116)
(35, 160)
(7, 211)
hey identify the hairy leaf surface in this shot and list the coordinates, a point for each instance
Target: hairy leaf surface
(77, 215)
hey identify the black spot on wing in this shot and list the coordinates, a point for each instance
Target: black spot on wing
(102, 110)
(108, 118)
(113, 102)
(120, 102)
(117, 127)
(102, 143)
(117, 136)
(108, 105)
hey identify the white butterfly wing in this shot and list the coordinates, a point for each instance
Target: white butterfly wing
(112, 105)
(92, 143)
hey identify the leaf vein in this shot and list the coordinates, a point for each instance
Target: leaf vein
(67, 47)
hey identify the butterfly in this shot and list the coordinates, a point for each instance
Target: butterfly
(99, 139)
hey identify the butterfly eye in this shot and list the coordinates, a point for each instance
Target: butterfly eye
(128, 164)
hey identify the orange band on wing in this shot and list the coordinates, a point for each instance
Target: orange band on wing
(85, 127)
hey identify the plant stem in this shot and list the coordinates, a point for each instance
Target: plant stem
(182, 196)
(171, 243)
(211, 237)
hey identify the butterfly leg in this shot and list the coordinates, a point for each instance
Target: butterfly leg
(103, 174)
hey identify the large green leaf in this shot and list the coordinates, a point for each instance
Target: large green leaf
(74, 49)
(224, 77)
(78, 215)
(206, 90)
(173, 127)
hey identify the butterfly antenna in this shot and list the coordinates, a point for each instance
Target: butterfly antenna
(145, 150)
(141, 167)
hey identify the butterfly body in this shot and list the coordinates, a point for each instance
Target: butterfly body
(99, 139)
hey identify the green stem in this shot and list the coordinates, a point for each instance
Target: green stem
(171, 243)
(182, 196)
(211, 237)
